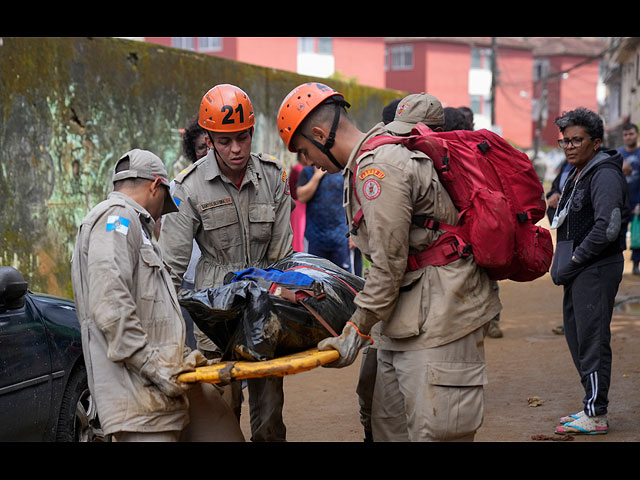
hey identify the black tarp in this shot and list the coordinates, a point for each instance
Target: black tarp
(264, 314)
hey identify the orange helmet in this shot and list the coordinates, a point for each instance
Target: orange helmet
(226, 108)
(297, 105)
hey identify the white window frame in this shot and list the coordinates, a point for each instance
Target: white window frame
(402, 57)
(185, 43)
(306, 45)
(481, 55)
(209, 44)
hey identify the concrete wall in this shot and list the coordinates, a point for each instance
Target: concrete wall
(69, 107)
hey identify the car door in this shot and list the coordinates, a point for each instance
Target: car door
(25, 375)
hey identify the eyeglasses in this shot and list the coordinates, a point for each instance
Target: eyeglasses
(575, 142)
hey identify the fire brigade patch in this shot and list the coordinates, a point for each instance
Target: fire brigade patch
(371, 189)
(371, 171)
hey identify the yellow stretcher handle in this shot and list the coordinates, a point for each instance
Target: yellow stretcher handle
(278, 367)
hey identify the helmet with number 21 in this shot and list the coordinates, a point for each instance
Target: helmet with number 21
(226, 108)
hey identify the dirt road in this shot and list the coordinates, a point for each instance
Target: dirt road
(529, 361)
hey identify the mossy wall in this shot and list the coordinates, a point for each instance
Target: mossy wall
(69, 107)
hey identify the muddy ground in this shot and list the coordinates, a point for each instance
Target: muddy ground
(528, 362)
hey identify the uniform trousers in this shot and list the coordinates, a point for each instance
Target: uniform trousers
(210, 420)
(433, 394)
(587, 309)
(266, 401)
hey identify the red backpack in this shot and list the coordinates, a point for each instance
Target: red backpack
(498, 196)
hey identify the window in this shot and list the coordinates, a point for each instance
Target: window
(476, 104)
(209, 44)
(481, 58)
(315, 56)
(323, 46)
(186, 43)
(306, 45)
(540, 69)
(402, 57)
(480, 105)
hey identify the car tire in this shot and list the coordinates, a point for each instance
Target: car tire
(78, 420)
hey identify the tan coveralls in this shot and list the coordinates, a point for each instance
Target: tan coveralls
(428, 322)
(127, 308)
(235, 228)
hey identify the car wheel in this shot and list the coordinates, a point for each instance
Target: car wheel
(78, 420)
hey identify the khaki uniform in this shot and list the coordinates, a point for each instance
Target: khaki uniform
(235, 228)
(127, 308)
(426, 309)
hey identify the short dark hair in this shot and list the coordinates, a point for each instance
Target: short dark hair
(629, 126)
(322, 114)
(389, 111)
(191, 133)
(468, 116)
(454, 119)
(582, 117)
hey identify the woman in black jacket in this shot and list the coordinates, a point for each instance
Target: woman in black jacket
(588, 261)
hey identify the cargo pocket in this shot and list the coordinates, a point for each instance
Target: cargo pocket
(223, 225)
(457, 396)
(261, 218)
(406, 319)
(148, 271)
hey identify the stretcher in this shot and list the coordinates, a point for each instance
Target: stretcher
(224, 372)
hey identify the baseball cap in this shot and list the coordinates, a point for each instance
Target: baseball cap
(147, 165)
(414, 108)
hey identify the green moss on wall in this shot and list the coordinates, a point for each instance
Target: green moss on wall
(69, 107)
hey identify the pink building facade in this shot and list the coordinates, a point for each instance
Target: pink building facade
(457, 70)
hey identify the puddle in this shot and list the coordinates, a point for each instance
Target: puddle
(629, 306)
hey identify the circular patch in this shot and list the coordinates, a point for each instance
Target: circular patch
(371, 189)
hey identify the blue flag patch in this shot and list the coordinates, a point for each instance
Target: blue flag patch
(119, 224)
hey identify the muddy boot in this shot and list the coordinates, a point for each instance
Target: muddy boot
(494, 329)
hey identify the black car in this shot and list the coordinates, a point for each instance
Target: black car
(43, 380)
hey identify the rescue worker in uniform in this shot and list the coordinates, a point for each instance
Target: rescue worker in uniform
(428, 322)
(133, 333)
(237, 206)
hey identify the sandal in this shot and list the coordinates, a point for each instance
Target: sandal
(585, 425)
(571, 418)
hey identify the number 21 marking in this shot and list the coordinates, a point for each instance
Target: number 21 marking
(227, 120)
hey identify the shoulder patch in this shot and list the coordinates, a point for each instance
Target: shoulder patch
(371, 189)
(285, 179)
(371, 171)
(184, 173)
(118, 224)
